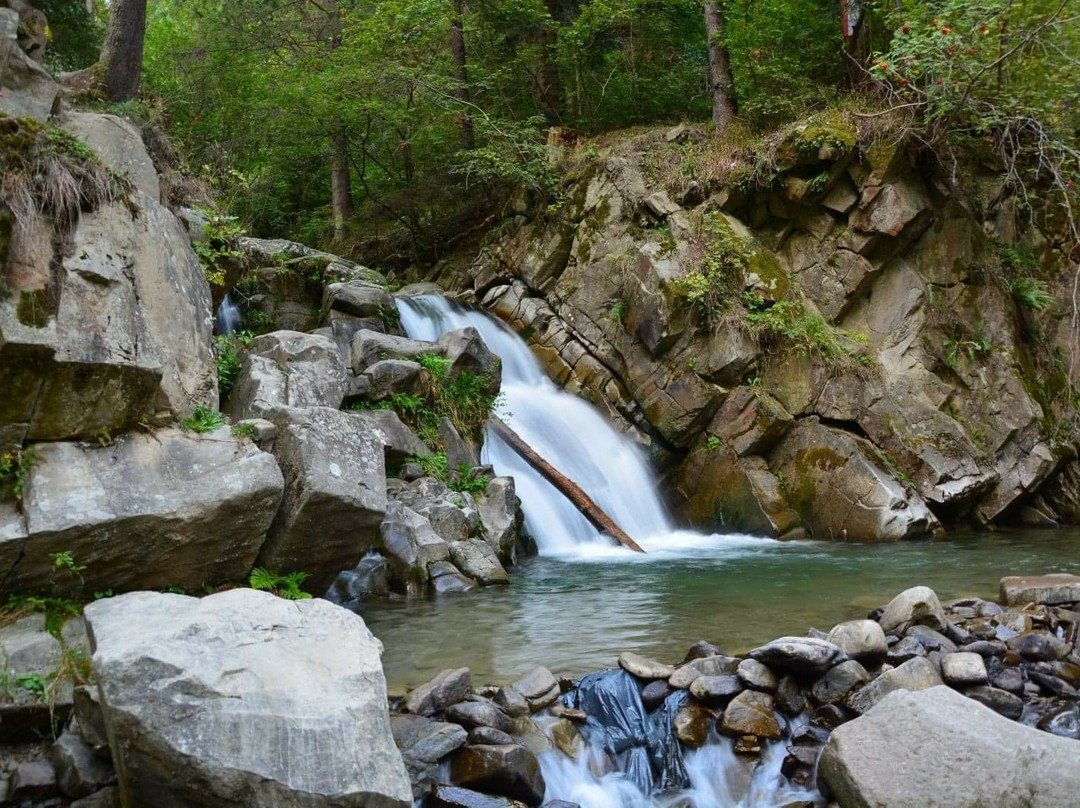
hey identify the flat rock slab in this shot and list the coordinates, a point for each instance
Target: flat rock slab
(937, 749)
(242, 698)
(1048, 589)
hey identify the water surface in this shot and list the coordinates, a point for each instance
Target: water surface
(575, 614)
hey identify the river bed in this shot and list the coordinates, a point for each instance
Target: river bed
(574, 614)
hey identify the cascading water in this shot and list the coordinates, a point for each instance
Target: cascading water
(571, 435)
(227, 318)
(631, 758)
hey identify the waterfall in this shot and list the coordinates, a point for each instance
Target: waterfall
(227, 318)
(570, 434)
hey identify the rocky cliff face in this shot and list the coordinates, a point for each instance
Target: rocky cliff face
(818, 335)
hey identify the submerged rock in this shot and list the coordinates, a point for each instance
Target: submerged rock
(938, 734)
(289, 709)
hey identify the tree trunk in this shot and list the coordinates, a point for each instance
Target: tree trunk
(547, 77)
(461, 73)
(341, 203)
(121, 55)
(720, 80)
(856, 40)
(565, 486)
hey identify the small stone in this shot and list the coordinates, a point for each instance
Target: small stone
(540, 688)
(702, 649)
(655, 693)
(1038, 646)
(1000, 701)
(838, 682)
(916, 606)
(512, 702)
(809, 735)
(643, 667)
(106, 798)
(567, 738)
(799, 757)
(830, 716)
(446, 688)
(751, 713)
(453, 797)
(489, 735)
(1052, 685)
(718, 665)
(757, 676)
(963, 669)
(985, 648)
(799, 655)
(1010, 679)
(715, 690)
(33, 781)
(747, 745)
(915, 674)
(691, 724)
(509, 770)
(860, 639)
(931, 640)
(789, 697)
(79, 772)
(471, 714)
(908, 648)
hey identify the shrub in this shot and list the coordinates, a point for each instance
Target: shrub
(788, 324)
(219, 247)
(14, 468)
(284, 586)
(1031, 293)
(228, 363)
(203, 419)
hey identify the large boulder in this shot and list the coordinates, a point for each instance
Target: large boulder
(119, 145)
(26, 88)
(242, 698)
(169, 508)
(936, 749)
(115, 328)
(915, 674)
(507, 770)
(500, 516)
(289, 369)
(335, 494)
(410, 545)
(842, 487)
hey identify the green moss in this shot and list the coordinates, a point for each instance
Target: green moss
(32, 310)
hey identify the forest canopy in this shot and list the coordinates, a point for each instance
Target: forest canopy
(388, 127)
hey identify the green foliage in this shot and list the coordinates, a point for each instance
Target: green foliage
(56, 610)
(618, 312)
(972, 348)
(219, 246)
(788, 324)
(203, 419)
(244, 432)
(284, 586)
(434, 465)
(258, 321)
(75, 33)
(713, 285)
(64, 560)
(1031, 293)
(14, 468)
(434, 364)
(461, 481)
(228, 363)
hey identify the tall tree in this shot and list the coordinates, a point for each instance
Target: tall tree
(341, 202)
(122, 53)
(720, 80)
(461, 72)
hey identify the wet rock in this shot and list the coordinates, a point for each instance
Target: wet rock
(1052, 685)
(446, 688)
(509, 771)
(862, 640)
(915, 674)
(1064, 723)
(1000, 701)
(916, 606)
(454, 797)
(839, 681)
(985, 648)
(335, 494)
(567, 738)
(1038, 646)
(757, 676)
(475, 558)
(424, 743)
(106, 798)
(654, 694)
(489, 735)
(444, 579)
(718, 665)
(702, 648)
(963, 669)
(692, 723)
(539, 688)
(286, 676)
(905, 649)
(1049, 589)
(643, 667)
(751, 713)
(716, 690)
(512, 702)
(569, 713)
(799, 758)
(931, 640)
(180, 509)
(480, 713)
(809, 735)
(79, 772)
(799, 655)
(830, 716)
(789, 697)
(1007, 678)
(748, 745)
(937, 733)
(500, 518)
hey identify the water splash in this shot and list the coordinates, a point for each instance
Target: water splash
(227, 318)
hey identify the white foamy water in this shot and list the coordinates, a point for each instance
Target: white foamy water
(577, 440)
(227, 318)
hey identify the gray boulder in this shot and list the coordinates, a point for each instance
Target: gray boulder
(171, 508)
(915, 674)
(443, 690)
(369, 347)
(79, 772)
(399, 442)
(392, 376)
(860, 639)
(466, 352)
(476, 559)
(424, 743)
(500, 520)
(799, 655)
(119, 145)
(116, 328)
(410, 545)
(289, 369)
(289, 709)
(26, 88)
(359, 299)
(918, 605)
(27, 649)
(335, 494)
(936, 749)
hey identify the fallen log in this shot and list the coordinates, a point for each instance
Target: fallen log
(567, 487)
